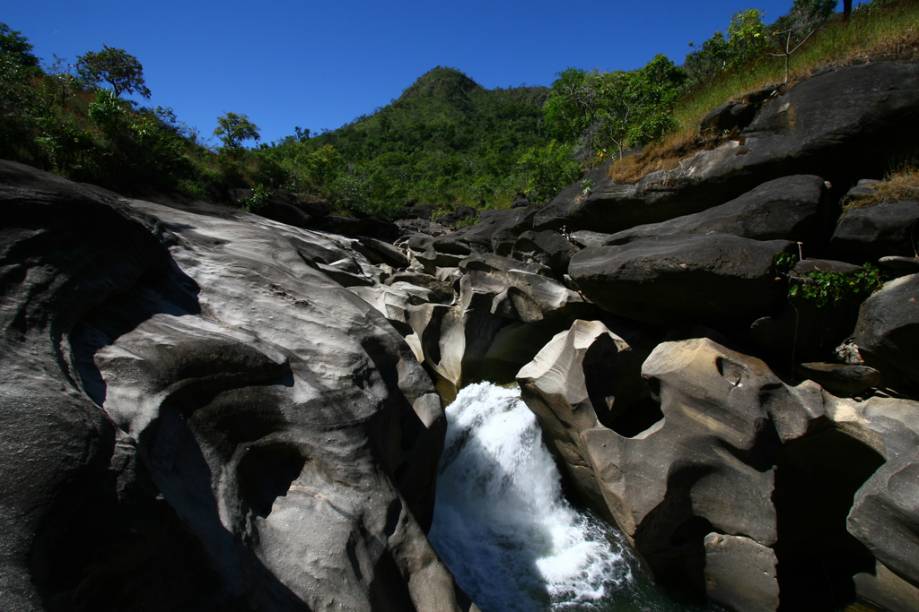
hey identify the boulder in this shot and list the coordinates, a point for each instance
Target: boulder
(841, 379)
(497, 230)
(547, 247)
(715, 278)
(735, 115)
(866, 233)
(887, 332)
(277, 442)
(705, 465)
(585, 376)
(503, 313)
(885, 509)
(789, 208)
(899, 266)
(846, 122)
(740, 574)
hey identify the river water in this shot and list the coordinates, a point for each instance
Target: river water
(504, 528)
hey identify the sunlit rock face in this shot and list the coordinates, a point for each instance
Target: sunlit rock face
(195, 381)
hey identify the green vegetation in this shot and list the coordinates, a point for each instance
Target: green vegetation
(827, 289)
(116, 67)
(886, 29)
(446, 141)
(901, 184)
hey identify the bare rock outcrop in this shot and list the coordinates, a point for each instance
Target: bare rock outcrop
(194, 381)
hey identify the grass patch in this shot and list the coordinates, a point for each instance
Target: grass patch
(890, 31)
(898, 186)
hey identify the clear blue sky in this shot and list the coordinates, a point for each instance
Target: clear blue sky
(321, 64)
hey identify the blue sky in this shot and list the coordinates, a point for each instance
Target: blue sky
(322, 64)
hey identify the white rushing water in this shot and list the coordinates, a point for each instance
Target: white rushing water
(501, 523)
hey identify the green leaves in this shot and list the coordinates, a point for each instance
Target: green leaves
(828, 289)
(116, 67)
(614, 110)
(547, 169)
(234, 129)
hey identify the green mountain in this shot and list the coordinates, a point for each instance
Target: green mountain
(445, 141)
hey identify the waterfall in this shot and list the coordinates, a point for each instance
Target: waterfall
(503, 526)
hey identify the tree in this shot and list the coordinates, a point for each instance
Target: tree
(547, 169)
(233, 129)
(116, 67)
(13, 44)
(846, 8)
(794, 29)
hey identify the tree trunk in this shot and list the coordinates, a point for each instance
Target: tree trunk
(846, 8)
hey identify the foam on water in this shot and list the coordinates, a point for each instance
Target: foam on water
(501, 523)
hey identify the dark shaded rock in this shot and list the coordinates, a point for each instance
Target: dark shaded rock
(547, 247)
(379, 252)
(735, 115)
(712, 278)
(900, 266)
(864, 188)
(414, 226)
(416, 210)
(887, 332)
(868, 232)
(497, 230)
(788, 208)
(355, 227)
(807, 266)
(461, 214)
(587, 238)
(842, 123)
(521, 201)
(841, 379)
(451, 245)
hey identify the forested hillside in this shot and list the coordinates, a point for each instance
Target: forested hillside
(445, 142)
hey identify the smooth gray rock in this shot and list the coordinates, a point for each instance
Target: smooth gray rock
(287, 436)
(503, 313)
(584, 377)
(740, 574)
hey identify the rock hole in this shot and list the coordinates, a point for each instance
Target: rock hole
(621, 398)
(266, 473)
(816, 480)
(730, 371)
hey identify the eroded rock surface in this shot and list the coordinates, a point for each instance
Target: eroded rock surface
(269, 422)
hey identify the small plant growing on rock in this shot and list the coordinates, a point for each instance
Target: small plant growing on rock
(826, 289)
(258, 199)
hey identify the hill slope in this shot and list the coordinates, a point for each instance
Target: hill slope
(445, 141)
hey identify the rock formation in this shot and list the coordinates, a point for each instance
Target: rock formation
(197, 381)
(213, 410)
